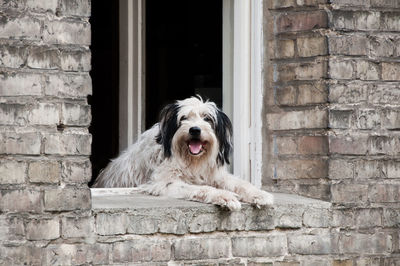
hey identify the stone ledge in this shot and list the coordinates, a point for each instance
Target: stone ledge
(126, 211)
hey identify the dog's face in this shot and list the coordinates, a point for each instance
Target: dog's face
(195, 131)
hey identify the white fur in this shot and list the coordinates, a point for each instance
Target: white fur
(182, 175)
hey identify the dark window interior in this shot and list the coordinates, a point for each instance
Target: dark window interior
(104, 74)
(183, 52)
(183, 58)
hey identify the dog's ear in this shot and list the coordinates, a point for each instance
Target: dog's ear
(223, 131)
(168, 126)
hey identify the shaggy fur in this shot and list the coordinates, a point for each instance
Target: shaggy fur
(184, 156)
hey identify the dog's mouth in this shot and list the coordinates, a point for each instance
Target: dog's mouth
(196, 146)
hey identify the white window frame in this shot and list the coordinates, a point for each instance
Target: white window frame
(242, 79)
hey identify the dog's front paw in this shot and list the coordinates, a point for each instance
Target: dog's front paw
(226, 199)
(262, 198)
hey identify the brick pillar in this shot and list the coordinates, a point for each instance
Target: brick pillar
(364, 121)
(44, 118)
(296, 97)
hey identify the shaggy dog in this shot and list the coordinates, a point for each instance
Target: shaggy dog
(184, 156)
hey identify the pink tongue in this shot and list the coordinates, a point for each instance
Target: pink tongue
(195, 146)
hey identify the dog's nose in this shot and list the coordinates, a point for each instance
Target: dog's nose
(194, 131)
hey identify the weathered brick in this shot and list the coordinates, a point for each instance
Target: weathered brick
(23, 114)
(21, 255)
(201, 248)
(75, 114)
(343, 218)
(43, 58)
(283, 48)
(343, 263)
(385, 3)
(67, 32)
(382, 46)
(348, 45)
(12, 172)
(20, 28)
(384, 193)
(368, 218)
(301, 168)
(153, 250)
(142, 225)
(12, 56)
(68, 85)
(18, 84)
(301, 71)
(340, 118)
(20, 143)
(341, 69)
(377, 243)
(111, 224)
(390, 71)
(347, 3)
(286, 95)
(297, 119)
(367, 70)
(312, 94)
(77, 171)
(389, 145)
(43, 229)
(348, 144)
(309, 244)
(262, 246)
(385, 93)
(351, 92)
(367, 169)
(349, 193)
(368, 119)
(11, 228)
(390, 21)
(341, 169)
(77, 227)
(391, 169)
(75, 7)
(301, 21)
(203, 223)
(302, 145)
(317, 218)
(75, 60)
(65, 199)
(64, 144)
(44, 172)
(21, 201)
(391, 217)
(391, 119)
(312, 46)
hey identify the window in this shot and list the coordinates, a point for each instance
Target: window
(170, 50)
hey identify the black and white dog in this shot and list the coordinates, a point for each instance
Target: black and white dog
(184, 156)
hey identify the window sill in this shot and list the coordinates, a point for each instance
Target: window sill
(125, 211)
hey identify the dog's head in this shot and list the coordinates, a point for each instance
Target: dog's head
(194, 130)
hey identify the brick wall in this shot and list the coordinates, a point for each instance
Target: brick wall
(44, 119)
(332, 116)
(296, 97)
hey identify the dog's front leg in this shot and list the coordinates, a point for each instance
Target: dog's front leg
(181, 190)
(246, 191)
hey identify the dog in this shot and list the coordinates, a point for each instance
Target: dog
(185, 156)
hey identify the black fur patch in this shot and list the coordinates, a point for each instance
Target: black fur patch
(223, 131)
(168, 127)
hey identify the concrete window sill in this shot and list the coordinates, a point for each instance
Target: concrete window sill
(125, 211)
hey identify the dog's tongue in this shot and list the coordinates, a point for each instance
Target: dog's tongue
(195, 146)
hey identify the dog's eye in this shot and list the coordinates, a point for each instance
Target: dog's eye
(208, 119)
(183, 118)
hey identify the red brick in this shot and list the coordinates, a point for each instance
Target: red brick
(301, 21)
